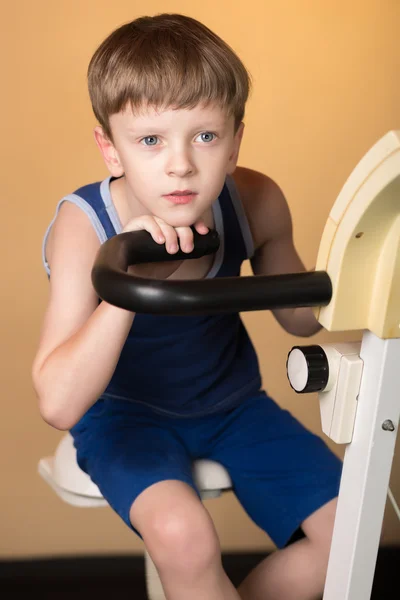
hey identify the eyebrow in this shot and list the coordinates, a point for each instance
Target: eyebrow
(156, 129)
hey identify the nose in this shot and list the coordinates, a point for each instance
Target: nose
(180, 162)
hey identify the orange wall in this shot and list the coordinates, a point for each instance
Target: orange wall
(326, 89)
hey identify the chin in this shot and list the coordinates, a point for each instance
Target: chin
(180, 223)
(180, 220)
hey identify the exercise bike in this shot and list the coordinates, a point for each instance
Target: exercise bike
(355, 286)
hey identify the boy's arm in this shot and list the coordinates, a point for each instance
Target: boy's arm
(271, 226)
(80, 341)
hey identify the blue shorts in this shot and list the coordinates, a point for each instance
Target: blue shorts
(281, 472)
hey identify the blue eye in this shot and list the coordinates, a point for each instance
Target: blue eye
(151, 140)
(207, 136)
(150, 137)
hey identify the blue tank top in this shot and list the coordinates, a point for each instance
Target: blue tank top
(182, 366)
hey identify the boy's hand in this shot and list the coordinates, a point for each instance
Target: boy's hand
(162, 233)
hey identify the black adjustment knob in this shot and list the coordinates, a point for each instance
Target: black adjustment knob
(307, 369)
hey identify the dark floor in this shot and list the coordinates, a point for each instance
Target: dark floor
(94, 578)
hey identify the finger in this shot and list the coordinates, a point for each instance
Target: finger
(201, 227)
(146, 223)
(171, 237)
(185, 235)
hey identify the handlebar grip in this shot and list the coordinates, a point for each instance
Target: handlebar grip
(195, 296)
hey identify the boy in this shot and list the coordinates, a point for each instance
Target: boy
(142, 395)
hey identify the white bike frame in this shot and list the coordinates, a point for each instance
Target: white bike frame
(366, 473)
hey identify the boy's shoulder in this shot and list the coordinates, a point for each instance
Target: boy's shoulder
(264, 203)
(90, 188)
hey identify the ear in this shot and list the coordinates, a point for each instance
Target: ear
(108, 152)
(237, 140)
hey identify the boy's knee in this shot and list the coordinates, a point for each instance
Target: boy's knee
(177, 530)
(182, 540)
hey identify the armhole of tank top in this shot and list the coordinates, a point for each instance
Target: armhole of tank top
(109, 205)
(241, 216)
(219, 226)
(88, 210)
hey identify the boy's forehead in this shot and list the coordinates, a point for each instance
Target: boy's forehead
(211, 114)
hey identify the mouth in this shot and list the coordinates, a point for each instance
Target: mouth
(180, 197)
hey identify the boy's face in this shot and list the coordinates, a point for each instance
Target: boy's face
(160, 152)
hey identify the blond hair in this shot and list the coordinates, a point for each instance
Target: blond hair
(165, 61)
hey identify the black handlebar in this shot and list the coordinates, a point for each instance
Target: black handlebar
(196, 296)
